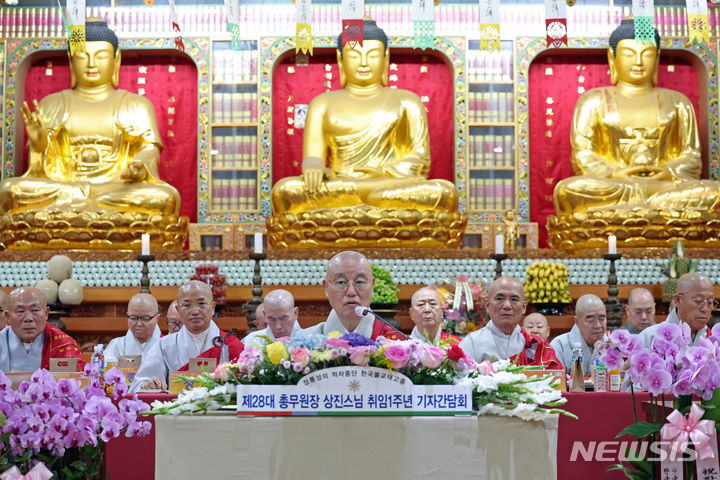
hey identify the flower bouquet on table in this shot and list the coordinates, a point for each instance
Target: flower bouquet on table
(463, 307)
(501, 388)
(286, 360)
(671, 366)
(64, 427)
(498, 389)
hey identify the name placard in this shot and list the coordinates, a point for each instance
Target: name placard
(354, 390)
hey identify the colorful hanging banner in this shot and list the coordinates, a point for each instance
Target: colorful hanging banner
(556, 23)
(179, 44)
(232, 11)
(698, 25)
(76, 26)
(352, 24)
(644, 13)
(490, 25)
(423, 15)
(303, 26)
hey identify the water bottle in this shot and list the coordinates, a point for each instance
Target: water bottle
(599, 371)
(577, 352)
(98, 357)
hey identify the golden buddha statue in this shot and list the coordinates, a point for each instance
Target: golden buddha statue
(366, 158)
(636, 153)
(92, 179)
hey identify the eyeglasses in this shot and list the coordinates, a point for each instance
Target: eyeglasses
(174, 324)
(341, 285)
(143, 319)
(701, 302)
(202, 304)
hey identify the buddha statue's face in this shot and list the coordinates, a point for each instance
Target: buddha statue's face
(96, 66)
(635, 63)
(364, 65)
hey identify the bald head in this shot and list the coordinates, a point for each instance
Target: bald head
(279, 298)
(537, 324)
(260, 322)
(143, 314)
(173, 318)
(27, 313)
(590, 318)
(193, 285)
(425, 292)
(640, 309)
(426, 312)
(196, 306)
(280, 312)
(506, 303)
(144, 300)
(349, 256)
(694, 298)
(348, 284)
(507, 282)
(3, 307)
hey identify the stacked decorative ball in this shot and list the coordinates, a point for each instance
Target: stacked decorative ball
(59, 285)
(547, 283)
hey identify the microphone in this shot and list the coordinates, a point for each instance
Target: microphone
(362, 311)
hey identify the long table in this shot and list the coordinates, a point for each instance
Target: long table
(601, 417)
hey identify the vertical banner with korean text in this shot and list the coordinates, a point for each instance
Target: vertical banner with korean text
(232, 10)
(644, 13)
(76, 25)
(423, 16)
(352, 22)
(490, 25)
(303, 29)
(556, 23)
(698, 25)
(179, 44)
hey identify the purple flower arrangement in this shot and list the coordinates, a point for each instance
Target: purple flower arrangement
(671, 365)
(62, 425)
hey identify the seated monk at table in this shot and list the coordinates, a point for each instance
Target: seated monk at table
(634, 145)
(30, 341)
(93, 149)
(349, 284)
(198, 338)
(365, 148)
(502, 338)
(426, 312)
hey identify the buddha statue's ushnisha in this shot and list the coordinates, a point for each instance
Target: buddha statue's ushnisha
(636, 154)
(92, 179)
(366, 158)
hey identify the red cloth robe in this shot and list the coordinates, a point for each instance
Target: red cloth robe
(544, 353)
(235, 347)
(449, 337)
(380, 329)
(58, 344)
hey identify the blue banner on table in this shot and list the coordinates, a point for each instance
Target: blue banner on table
(354, 391)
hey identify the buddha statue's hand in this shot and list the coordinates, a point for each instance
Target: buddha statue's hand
(643, 173)
(35, 126)
(313, 172)
(136, 171)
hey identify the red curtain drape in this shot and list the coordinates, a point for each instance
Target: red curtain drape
(423, 73)
(556, 81)
(169, 81)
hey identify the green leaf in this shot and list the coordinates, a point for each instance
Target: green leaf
(629, 472)
(640, 429)
(712, 412)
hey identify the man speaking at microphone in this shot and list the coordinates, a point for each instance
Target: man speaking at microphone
(349, 284)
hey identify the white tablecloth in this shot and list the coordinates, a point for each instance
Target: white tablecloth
(223, 446)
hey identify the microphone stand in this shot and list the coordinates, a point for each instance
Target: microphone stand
(366, 310)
